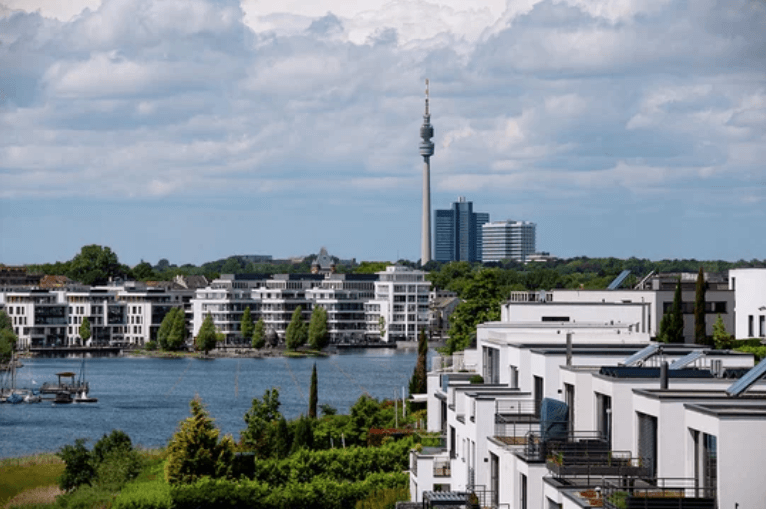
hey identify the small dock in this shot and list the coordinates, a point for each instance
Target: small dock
(55, 351)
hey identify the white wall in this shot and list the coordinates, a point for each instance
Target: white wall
(749, 287)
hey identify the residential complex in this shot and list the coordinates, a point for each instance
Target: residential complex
(458, 235)
(579, 408)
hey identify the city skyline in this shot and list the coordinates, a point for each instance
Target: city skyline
(193, 130)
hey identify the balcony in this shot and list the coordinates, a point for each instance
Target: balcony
(516, 421)
(662, 493)
(536, 450)
(593, 458)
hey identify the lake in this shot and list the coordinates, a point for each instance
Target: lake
(148, 397)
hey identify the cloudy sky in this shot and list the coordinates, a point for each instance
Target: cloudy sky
(196, 129)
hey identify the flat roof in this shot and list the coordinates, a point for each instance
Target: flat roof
(730, 410)
(685, 394)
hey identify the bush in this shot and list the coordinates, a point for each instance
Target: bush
(385, 498)
(151, 345)
(144, 495)
(476, 379)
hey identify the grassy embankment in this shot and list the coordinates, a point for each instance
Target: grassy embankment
(34, 476)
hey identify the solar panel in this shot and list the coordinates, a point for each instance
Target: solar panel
(618, 280)
(641, 355)
(687, 359)
(747, 380)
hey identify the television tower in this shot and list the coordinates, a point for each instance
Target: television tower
(426, 150)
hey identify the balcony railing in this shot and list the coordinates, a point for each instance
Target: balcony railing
(589, 459)
(537, 450)
(664, 493)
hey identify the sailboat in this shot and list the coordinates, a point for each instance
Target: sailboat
(14, 395)
(81, 396)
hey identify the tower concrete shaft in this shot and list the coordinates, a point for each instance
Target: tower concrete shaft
(426, 150)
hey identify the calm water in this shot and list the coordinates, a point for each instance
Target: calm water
(147, 398)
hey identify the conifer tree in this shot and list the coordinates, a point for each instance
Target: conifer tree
(195, 451)
(259, 334)
(419, 380)
(313, 393)
(283, 441)
(85, 330)
(296, 335)
(721, 337)
(700, 334)
(676, 329)
(317, 334)
(206, 337)
(164, 331)
(177, 335)
(246, 326)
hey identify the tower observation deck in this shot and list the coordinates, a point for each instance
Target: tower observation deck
(426, 150)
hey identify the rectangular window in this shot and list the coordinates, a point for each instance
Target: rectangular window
(538, 393)
(604, 415)
(555, 319)
(647, 441)
(569, 399)
(762, 326)
(750, 326)
(523, 491)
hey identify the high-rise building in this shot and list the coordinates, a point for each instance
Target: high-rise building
(458, 232)
(508, 240)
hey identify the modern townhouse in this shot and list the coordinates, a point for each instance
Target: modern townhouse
(38, 317)
(281, 295)
(582, 413)
(749, 287)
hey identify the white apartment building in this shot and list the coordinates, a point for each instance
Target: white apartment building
(401, 299)
(508, 240)
(344, 296)
(570, 412)
(225, 300)
(38, 317)
(281, 295)
(749, 287)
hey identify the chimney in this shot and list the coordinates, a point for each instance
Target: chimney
(664, 375)
(569, 348)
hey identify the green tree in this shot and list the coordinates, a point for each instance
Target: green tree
(78, 468)
(700, 334)
(177, 336)
(194, 450)
(144, 272)
(721, 337)
(318, 335)
(295, 335)
(246, 326)
(419, 380)
(676, 328)
(206, 337)
(482, 296)
(263, 414)
(303, 437)
(85, 330)
(283, 439)
(259, 334)
(94, 265)
(663, 334)
(7, 345)
(313, 393)
(165, 327)
(5, 321)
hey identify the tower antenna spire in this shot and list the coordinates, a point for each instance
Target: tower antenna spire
(426, 150)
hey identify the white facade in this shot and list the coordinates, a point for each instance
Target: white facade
(344, 296)
(620, 423)
(401, 298)
(749, 287)
(508, 240)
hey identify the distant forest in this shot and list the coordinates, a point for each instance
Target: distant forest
(96, 265)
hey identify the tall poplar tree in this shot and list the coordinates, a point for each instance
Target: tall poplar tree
(85, 330)
(246, 324)
(313, 393)
(676, 329)
(318, 335)
(259, 334)
(296, 334)
(164, 332)
(177, 335)
(419, 380)
(700, 333)
(206, 337)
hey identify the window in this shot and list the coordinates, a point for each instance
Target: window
(523, 491)
(555, 319)
(569, 399)
(762, 326)
(604, 415)
(750, 328)
(538, 393)
(647, 441)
